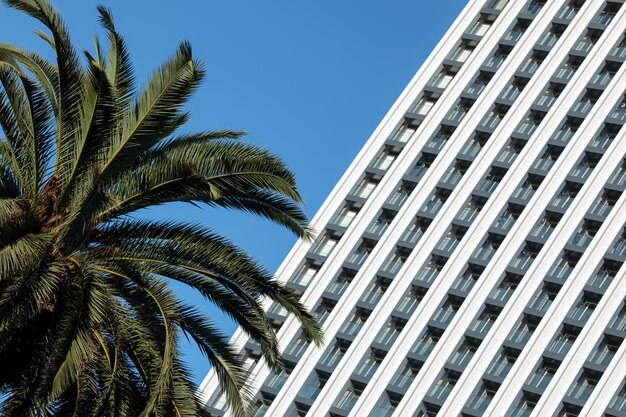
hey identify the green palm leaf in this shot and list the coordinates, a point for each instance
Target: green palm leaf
(89, 323)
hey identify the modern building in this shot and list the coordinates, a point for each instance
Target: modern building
(471, 260)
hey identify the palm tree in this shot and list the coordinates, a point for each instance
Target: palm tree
(89, 325)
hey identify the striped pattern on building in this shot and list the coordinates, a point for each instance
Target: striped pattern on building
(470, 262)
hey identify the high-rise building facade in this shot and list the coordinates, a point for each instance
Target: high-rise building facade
(471, 260)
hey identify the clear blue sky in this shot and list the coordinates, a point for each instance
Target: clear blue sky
(308, 80)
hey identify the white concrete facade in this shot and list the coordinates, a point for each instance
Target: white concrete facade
(470, 261)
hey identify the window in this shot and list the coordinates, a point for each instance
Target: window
(607, 14)
(532, 63)
(587, 41)
(386, 405)
(585, 233)
(482, 398)
(413, 234)
(411, 299)
(508, 217)
(524, 330)
(527, 188)
(513, 89)
(569, 10)
(324, 309)
(471, 209)
(352, 326)
(582, 389)
(587, 101)
(534, 6)
(421, 166)
(436, 201)
(492, 179)
(297, 347)
(218, 402)
(405, 377)
(525, 257)
(494, 117)
(503, 363)
(618, 322)
(497, 58)
(395, 261)
(403, 133)
(375, 292)
(569, 68)
(365, 188)
(339, 285)
(384, 160)
(313, 385)
(507, 286)
(604, 138)
(584, 308)
(443, 79)
(381, 223)
(619, 246)
(543, 297)
(447, 310)
(605, 203)
(458, 112)
(423, 105)
(550, 95)
(480, 27)
(604, 276)
(276, 380)
(461, 53)
(369, 364)
(619, 113)
(619, 176)
(524, 408)
(430, 270)
(548, 158)
(551, 36)
(488, 248)
(479, 83)
(564, 198)
(451, 240)
(427, 342)
(585, 166)
(517, 30)
(442, 388)
(346, 215)
(348, 398)
(465, 282)
(399, 196)
(361, 253)
(334, 354)
(546, 225)
(564, 340)
(543, 374)
(456, 171)
(390, 332)
(482, 324)
(566, 131)
(619, 400)
(465, 352)
(326, 244)
(305, 275)
(605, 351)
(436, 143)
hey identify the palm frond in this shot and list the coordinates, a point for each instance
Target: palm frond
(89, 323)
(69, 71)
(157, 112)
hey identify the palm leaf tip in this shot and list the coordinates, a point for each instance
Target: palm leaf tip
(106, 17)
